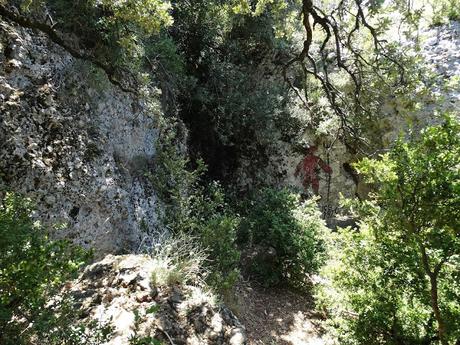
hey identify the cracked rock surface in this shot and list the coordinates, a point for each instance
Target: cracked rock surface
(74, 143)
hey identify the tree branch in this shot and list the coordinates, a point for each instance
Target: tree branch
(57, 39)
(343, 42)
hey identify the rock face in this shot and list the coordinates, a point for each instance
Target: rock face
(121, 291)
(442, 53)
(75, 143)
(440, 49)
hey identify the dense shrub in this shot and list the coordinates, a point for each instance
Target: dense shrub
(228, 57)
(396, 280)
(444, 11)
(32, 269)
(196, 208)
(279, 220)
(219, 235)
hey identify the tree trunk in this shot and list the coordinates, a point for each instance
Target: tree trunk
(433, 275)
(436, 310)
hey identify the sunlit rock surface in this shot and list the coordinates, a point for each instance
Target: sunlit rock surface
(119, 292)
(75, 143)
(440, 50)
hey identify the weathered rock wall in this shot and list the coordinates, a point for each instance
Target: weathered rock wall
(74, 143)
(79, 146)
(440, 49)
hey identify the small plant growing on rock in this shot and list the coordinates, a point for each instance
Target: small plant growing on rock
(179, 260)
(136, 339)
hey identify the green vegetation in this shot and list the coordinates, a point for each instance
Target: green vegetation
(272, 219)
(236, 85)
(32, 270)
(197, 210)
(445, 10)
(292, 230)
(119, 37)
(179, 260)
(396, 278)
(135, 339)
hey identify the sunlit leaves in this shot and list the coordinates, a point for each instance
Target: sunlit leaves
(377, 289)
(32, 269)
(149, 15)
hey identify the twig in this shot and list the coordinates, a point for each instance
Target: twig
(56, 38)
(167, 335)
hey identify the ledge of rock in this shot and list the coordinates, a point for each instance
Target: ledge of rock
(121, 292)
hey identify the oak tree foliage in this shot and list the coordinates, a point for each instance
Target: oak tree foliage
(395, 280)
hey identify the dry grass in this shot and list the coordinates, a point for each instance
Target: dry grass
(179, 260)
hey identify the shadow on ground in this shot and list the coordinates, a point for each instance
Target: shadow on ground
(277, 316)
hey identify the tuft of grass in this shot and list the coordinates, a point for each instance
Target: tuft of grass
(179, 260)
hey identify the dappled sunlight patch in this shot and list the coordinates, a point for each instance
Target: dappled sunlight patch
(302, 331)
(278, 316)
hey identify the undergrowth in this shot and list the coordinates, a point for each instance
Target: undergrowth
(195, 208)
(286, 236)
(33, 269)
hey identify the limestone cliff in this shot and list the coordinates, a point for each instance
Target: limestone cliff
(79, 146)
(440, 54)
(75, 143)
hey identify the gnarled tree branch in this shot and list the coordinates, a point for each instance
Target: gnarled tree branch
(25, 22)
(353, 65)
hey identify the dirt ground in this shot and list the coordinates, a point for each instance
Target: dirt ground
(277, 316)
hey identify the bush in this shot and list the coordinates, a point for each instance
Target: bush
(32, 269)
(444, 11)
(396, 280)
(195, 208)
(219, 235)
(279, 220)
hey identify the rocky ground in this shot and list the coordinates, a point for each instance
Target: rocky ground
(127, 294)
